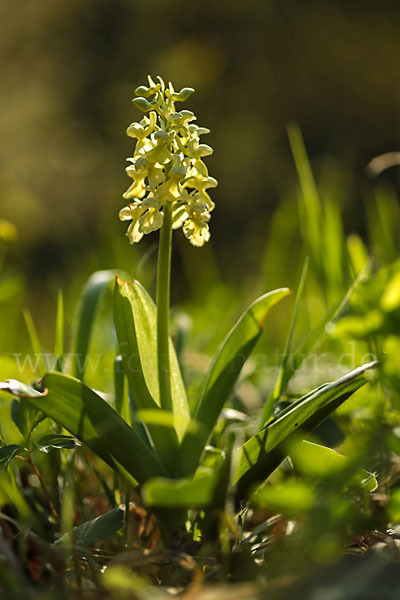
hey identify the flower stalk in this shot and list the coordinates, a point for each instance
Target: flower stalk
(162, 299)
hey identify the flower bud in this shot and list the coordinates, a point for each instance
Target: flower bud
(142, 103)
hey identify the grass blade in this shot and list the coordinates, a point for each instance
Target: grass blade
(318, 333)
(282, 375)
(310, 204)
(59, 338)
(34, 340)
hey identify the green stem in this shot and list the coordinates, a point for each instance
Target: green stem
(163, 287)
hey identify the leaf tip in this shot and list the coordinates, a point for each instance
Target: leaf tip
(281, 293)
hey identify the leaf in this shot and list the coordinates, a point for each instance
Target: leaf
(393, 508)
(25, 418)
(91, 295)
(263, 453)
(119, 389)
(56, 440)
(89, 418)
(192, 492)
(34, 339)
(135, 324)
(281, 379)
(196, 492)
(20, 417)
(143, 310)
(310, 204)
(59, 337)
(222, 375)
(317, 334)
(316, 461)
(290, 497)
(97, 530)
(7, 453)
(16, 388)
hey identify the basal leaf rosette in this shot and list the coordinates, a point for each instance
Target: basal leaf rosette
(167, 167)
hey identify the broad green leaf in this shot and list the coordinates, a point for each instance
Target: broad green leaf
(97, 530)
(56, 440)
(316, 461)
(7, 453)
(135, 324)
(222, 375)
(125, 326)
(89, 302)
(263, 453)
(90, 419)
(134, 301)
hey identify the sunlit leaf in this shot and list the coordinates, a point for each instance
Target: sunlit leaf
(222, 376)
(263, 453)
(316, 461)
(135, 324)
(89, 418)
(290, 497)
(139, 305)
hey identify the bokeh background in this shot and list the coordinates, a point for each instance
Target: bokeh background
(68, 73)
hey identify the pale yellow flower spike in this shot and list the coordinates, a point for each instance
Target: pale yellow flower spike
(167, 167)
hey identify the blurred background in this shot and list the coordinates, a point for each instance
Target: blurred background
(69, 70)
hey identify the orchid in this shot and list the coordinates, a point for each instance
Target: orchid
(167, 169)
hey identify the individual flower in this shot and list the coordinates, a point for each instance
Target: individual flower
(167, 168)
